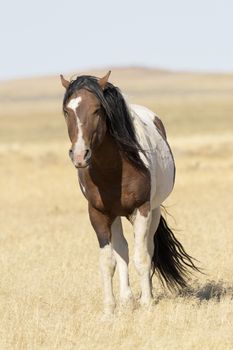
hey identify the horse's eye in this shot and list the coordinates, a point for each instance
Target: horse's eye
(65, 114)
(97, 111)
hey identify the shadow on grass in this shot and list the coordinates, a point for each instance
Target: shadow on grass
(211, 290)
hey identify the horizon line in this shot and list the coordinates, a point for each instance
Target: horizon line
(138, 67)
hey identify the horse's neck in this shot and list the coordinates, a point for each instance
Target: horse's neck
(107, 157)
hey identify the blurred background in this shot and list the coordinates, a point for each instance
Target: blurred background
(175, 57)
(46, 37)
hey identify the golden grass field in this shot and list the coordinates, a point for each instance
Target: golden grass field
(50, 288)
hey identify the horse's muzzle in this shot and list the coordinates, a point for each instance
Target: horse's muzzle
(82, 159)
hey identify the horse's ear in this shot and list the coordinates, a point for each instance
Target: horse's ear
(103, 81)
(64, 82)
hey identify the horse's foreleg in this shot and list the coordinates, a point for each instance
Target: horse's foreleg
(142, 256)
(107, 268)
(102, 224)
(120, 248)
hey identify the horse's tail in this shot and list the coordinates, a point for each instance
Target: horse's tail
(170, 259)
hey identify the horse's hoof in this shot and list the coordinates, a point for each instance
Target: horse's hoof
(109, 310)
(108, 314)
(127, 304)
(147, 304)
(107, 317)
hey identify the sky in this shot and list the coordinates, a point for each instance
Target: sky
(52, 37)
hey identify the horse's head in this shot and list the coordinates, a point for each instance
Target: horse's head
(85, 118)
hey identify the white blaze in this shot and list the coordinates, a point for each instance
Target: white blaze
(80, 146)
(74, 103)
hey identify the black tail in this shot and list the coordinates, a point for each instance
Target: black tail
(170, 259)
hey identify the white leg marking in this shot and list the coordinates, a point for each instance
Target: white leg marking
(120, 249)
(107, 268)
(142, 257)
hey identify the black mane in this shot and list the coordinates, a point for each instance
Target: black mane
(119, 122)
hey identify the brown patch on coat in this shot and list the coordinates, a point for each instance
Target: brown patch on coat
(144, 209)
(159, 125)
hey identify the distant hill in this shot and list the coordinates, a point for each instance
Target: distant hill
(188, 103)
(133, 80)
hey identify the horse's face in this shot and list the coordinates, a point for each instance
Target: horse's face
(86, 125)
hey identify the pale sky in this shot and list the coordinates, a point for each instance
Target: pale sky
(54, 36)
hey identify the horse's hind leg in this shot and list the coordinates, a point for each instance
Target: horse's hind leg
(142, 256)
(155, 217)
(120, 249)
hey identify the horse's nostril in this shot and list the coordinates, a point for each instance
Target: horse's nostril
(71, 154)
(87, 154)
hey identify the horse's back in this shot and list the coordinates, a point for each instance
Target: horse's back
(159, 160)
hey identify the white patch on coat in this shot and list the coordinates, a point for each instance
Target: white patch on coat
(83, 189)
(159, 157)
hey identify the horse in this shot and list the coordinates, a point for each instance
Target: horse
(125, 169)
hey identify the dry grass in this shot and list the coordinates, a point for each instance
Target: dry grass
(50, 290)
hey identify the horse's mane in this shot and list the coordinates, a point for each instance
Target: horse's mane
(119, 121)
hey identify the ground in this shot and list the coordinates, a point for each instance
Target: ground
(50, 288)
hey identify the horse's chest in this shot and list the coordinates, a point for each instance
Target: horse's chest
(119, 197)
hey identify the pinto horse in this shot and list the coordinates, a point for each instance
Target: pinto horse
(125, 168)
